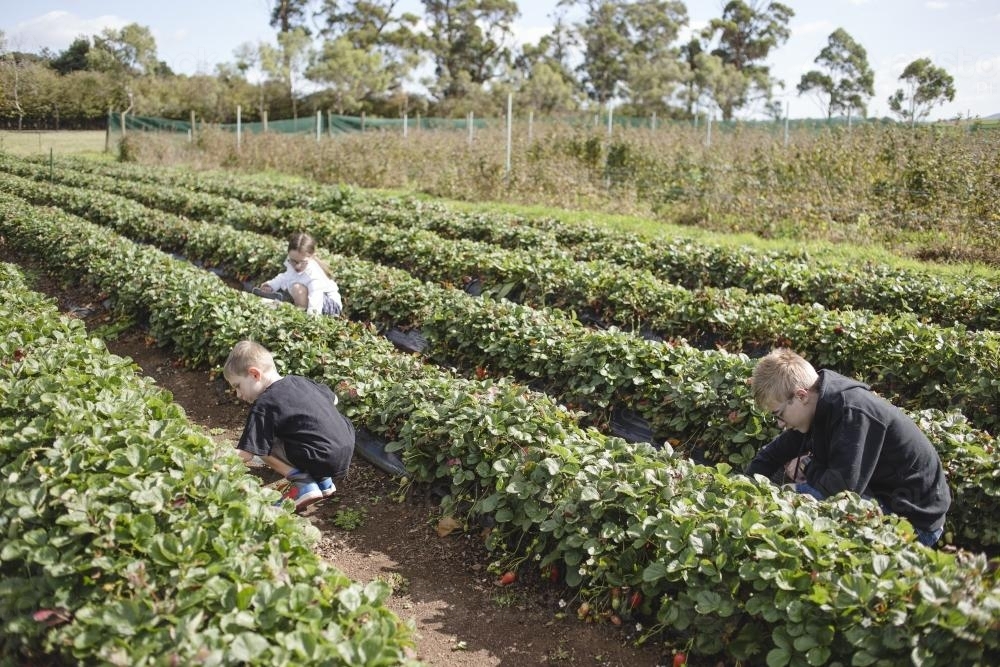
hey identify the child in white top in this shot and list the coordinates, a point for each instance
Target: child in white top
(306, 280)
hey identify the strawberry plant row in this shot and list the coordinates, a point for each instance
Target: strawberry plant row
(955, 368)
(743, 568)
(699, 400)
(800, 277)
(128, 539)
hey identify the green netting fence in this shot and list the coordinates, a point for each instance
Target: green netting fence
(319, 124)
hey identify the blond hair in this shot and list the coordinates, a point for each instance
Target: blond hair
(306, 244)
(778, 375)
(245, 354)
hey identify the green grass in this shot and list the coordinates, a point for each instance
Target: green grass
(33, 142)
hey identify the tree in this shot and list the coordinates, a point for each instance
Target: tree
(654, 66)
(604, 37)
(467, 42)
(74, 58)
(287, 15)
(926, 87)
(286, 62)
(846, 80)
(747, 33)
(373, 27)
(350, 74)
(544, 78)
(130, 51)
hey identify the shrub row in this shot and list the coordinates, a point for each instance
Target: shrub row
(799, 277)
(743, 568)
(954, 369)
(699, 400)
(126, 538)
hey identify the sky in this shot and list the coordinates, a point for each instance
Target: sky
(962, 36)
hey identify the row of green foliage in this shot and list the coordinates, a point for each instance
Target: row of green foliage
(930, 192)
(744, 568)
(799, 277)
(924, 365)
(128, 540)
(698, 399)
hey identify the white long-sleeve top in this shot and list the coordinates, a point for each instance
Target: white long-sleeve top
(315, 280)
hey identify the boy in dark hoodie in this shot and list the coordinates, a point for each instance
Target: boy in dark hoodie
(839, 436)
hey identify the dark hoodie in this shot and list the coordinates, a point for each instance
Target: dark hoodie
(862, 443)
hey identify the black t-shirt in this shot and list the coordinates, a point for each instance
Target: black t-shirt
(302, 414)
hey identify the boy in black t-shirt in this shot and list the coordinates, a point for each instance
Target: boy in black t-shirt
(293, 425)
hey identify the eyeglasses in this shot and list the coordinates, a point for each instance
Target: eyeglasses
(779, 414)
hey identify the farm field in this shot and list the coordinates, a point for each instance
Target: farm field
(732, 424)
(59, 143)
(439, 584)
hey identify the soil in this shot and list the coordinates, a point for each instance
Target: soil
(442, 585)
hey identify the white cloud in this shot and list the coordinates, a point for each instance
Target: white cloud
(935, 4)
(57, 30)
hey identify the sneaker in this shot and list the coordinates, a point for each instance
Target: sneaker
(326, 486)
(303, 494)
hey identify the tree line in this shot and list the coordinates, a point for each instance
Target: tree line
(364, 56)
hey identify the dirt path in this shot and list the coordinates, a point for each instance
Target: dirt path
(440, 584)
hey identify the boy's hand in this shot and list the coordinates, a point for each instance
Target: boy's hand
(795, 469)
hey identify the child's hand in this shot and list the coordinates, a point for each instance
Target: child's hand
(795, 469)
(264, 287)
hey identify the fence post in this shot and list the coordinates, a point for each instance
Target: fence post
(107, 133)
(470, 121)
(406, 123)
(510, 126)
(264, 116)
(787, 107)
(193, 127)
(652, 123)
(239, 126)
(708, 125)
(362, 121)
(610, 112)
(319, 125)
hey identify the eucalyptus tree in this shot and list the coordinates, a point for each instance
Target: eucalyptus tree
(286, 62)
(744, 37)
(604, 40)
(926, 86)
(124, 55)
(468, 42)
(374, 40)
(349, 74)
(287, 15)
(654, 66)
(845, 80)
(543, 76)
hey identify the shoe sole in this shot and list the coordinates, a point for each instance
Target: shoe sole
(307, 500)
